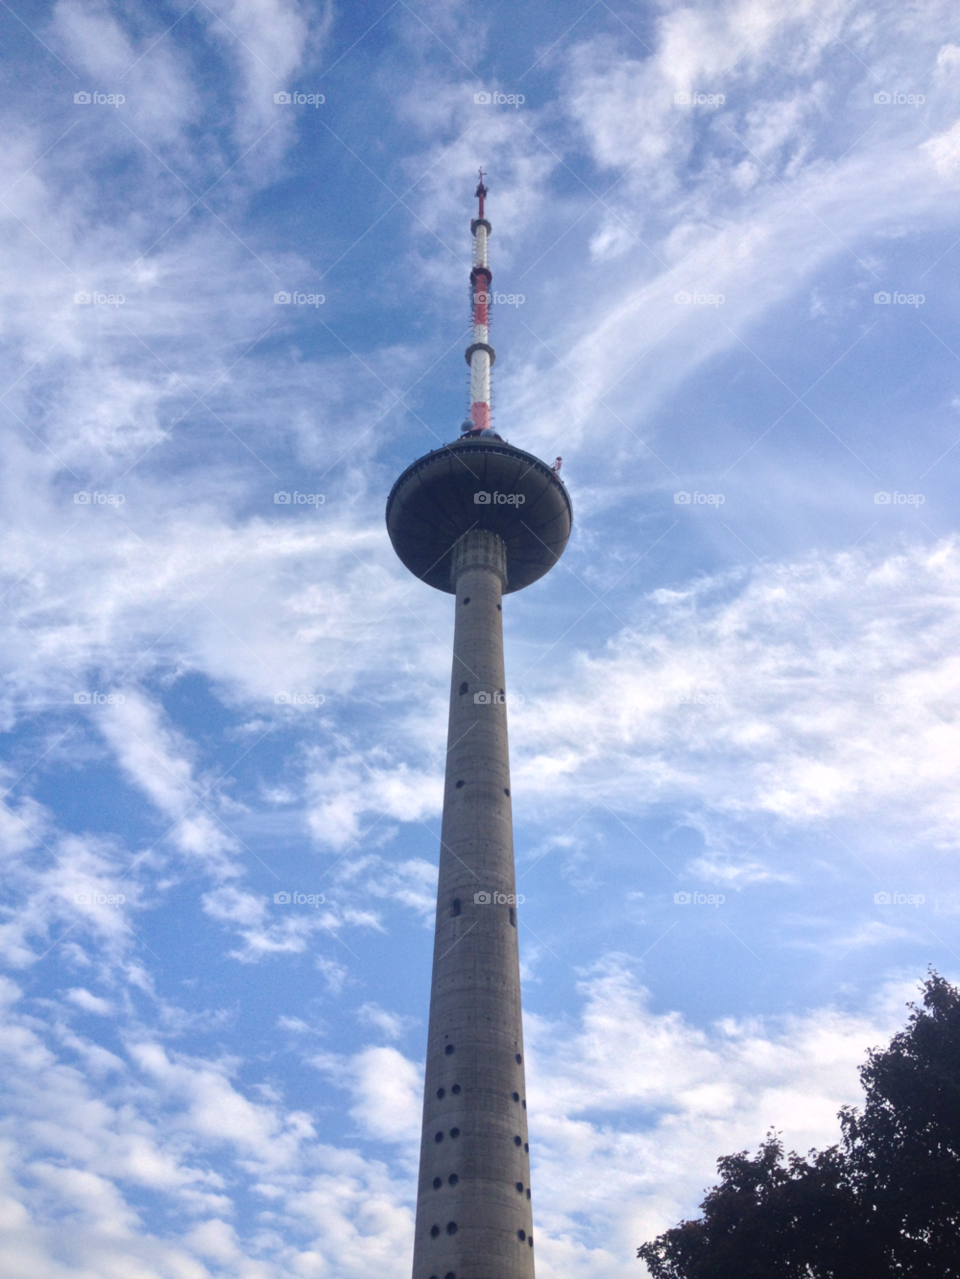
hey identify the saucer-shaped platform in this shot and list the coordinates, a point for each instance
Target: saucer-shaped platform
(479, 483)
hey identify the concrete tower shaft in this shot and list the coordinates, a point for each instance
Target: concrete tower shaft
(474, 1211)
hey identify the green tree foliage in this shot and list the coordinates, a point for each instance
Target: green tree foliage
(883, 1204)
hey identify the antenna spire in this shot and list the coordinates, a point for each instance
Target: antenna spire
(480, 192)
(480, 355)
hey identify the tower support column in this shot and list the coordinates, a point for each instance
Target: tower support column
(474, 1214)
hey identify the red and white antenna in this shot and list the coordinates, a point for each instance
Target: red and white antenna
(480, 355)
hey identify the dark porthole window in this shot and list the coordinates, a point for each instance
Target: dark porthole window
(456, 1090)
(528, 1194)
(513, 917)
(437, 1183)
(441, 1093)
(449, 1049)
(455, 906)
(453, 1179)
(439, 1137)
(517, 1141)
(519, 1059)
(464, 687)
(522, 1235)
(451, 1274)
(499, 608)
(467, 600)
(454, 1132)
(524, 1103)
(451, 1227)
(516, 1096)
(530, 1241)
(506, 790)
(434, 1231)
(519, 1187)
(526, 1146)
(461, 783)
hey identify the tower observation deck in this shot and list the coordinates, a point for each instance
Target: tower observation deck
(478, 518)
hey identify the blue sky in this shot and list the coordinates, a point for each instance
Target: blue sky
(750, 697)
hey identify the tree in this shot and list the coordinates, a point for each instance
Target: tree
(885, 1202)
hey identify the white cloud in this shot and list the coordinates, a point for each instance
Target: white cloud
(828, 687)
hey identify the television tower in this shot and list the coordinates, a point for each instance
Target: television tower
(478, 518)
